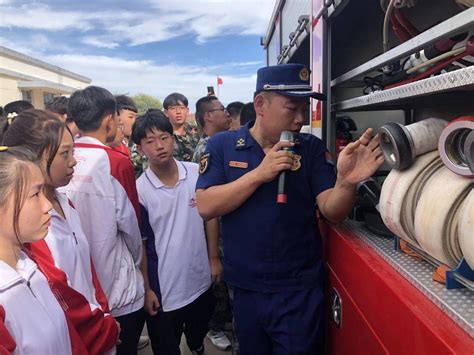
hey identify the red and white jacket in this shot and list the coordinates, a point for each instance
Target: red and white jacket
(89, 327)
(104, 194)
(70, 251)
(66, 249)
(30, 315)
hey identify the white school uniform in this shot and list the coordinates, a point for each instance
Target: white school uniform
(33, 316)
(103, 192)
(70, 250)
(178, 263)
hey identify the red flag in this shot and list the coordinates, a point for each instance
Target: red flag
(219, 81)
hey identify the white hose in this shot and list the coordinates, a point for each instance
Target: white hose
(436, 215)
(401, 144)
(466, 229)
(424, 134)
(400, 194)
(437, 59)
(451, 145)
(386, 23)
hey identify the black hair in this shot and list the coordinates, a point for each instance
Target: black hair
(13, 109)
(1, 111)
(174, 99)
(57, 105)
(88, 107)
(125, 102)
(14, 180)
(202, 106)
(247, 114)
(152, 119)
(17, 107)
(234, 108)
(39, 131)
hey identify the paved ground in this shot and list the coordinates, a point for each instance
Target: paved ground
(209, 348)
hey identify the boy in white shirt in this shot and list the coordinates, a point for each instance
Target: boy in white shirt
(180, 266)
(104, 193)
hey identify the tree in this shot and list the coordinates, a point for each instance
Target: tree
(144, 102)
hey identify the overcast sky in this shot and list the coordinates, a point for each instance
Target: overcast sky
(150, 46)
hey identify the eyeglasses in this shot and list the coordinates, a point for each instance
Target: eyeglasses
(177, 108)
(223, 109)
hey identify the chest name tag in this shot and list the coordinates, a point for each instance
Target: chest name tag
(238, 164)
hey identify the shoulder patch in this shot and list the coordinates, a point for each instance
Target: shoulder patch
(203, 163)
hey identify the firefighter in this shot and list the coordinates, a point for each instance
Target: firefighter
(273, 251)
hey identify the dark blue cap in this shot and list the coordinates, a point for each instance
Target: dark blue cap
(287, 79)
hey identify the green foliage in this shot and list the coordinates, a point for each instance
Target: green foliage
(144, 102)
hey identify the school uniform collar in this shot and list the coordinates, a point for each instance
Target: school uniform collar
(89, 140)
(156, 182)
(63, 202)
(10, 277)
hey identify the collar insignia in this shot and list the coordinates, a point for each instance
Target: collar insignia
(240, 143)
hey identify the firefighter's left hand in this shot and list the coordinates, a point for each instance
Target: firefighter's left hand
(216, 269)
(360, 159)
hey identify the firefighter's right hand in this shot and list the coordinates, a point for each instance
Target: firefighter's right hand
(152, 304)
(276, 160)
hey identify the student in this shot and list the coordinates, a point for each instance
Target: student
(233, 111)
(127, 113)
(64, 255)
(247, 114)
(104, 193)
(31, 319)
(10, 111)
(177, 268)
(186, 136)
(58, 107)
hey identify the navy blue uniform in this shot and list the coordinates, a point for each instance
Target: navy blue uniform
(271, 250)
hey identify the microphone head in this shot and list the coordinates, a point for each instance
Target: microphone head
(286, 136)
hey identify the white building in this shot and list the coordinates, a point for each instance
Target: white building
(26, 78)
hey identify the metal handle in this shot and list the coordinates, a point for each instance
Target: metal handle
(336, 307)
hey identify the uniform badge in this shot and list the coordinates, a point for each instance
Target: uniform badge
(240, 143)
(238, 164)
(304, 74)
(296, 162)
(203, 163)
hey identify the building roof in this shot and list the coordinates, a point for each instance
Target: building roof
(30, 60)
(31, 82)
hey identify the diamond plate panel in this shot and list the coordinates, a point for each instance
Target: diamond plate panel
(461, 78)
(458, 304)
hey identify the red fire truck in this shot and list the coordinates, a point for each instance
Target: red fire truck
(377, 62)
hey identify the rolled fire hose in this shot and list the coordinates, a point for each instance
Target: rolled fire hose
(466, 229)
(469, 151)
(400, 194)
(401, 144)
(451, 145)
(436, 215)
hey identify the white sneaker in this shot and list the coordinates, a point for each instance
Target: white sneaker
(143, 342)
(219, 340)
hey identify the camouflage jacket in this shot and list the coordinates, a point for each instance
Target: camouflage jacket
(140, 162)
(200, 149)
(185, 145)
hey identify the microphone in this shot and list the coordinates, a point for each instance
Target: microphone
(282, 197)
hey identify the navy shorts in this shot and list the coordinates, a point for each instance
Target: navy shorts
(289, 322)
